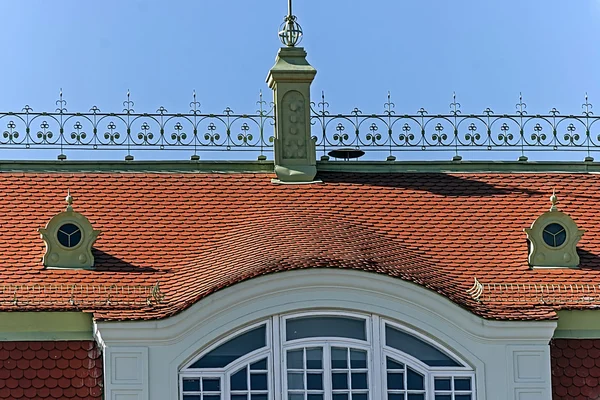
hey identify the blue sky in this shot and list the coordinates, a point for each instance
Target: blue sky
(487, 51)
(421, 51)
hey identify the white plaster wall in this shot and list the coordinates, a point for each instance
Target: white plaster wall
(511, 359)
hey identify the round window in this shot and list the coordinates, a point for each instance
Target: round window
(554, 235)
(69, 235)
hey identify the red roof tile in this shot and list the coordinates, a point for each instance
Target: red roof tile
(196, 233)
(575, 369)
(44, 370)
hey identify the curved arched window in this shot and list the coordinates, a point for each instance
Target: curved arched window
(326, 356)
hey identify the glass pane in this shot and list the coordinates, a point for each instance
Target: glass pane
(417, 348)
(360, 396)
(259, 365)
(395, 396)
(191, 397)
(395, 381)
(414, 380)
(211, 384)
(259, 397)
(358, 359)
(416, 397)
(340, 396)
(442, 384)
(294, 396)
(295, 359)
(462, 397)
(258, 381)
(314, 381)
(443, 397)
(239, 397)
(191, 385)
(329, 326)
(314, 358)
(212, 397)
(391, 364)
(239, 380)
(315, 397)
(233, 349)
(295, 380)
(359, 380)
(462, 383)
(339, 380)
(339, 357)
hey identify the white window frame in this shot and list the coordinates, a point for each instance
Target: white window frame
(377, 351)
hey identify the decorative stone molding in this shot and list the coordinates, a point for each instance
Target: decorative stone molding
(69, 237)
(553, 237)
(294, 148)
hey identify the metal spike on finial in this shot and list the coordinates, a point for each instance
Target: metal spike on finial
(290, 31)
(69, 200)
(554, 201)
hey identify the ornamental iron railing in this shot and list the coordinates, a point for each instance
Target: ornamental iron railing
(384, 136)
(455, 132)
(127, 130)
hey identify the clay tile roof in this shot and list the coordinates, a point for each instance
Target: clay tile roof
(196, 233)
(50, 370)
(575, 369)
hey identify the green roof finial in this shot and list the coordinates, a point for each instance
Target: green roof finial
(290, 31)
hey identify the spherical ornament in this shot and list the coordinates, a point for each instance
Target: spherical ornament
(290, 31)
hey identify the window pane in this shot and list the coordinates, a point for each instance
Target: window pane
(211, 384)
(212, 397)
(443, 397)
(315, 397)
(392, 364)
(463, 397)
(330, 326)
(259, 365)
(360, 396)
(359, 380)
(314, 381)
(191, 385)
(239, 397)
(258, 381)
(340, 396)
(259, 397)
(417, 348)
(314, 358)
(339, 380)
(295, 380)
(414, 380)
(295, 359)
(442, 384)
(293, 396)
(358, 359)
(462, 383)
(395, 396)
(395, 381)
(191, 397)
(239, 380)
(233, 349)
(339, 357)
(416, 397)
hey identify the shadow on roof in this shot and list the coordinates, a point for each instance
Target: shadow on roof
(105, 262)
(437, 183)
(588, 261)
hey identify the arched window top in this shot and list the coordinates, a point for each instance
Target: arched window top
(326, 355)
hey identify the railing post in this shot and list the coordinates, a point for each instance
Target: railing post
(294, 149)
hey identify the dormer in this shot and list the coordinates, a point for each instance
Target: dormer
(553, 237)
(69, 237)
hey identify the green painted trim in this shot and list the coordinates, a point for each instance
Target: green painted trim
(457, 167)
(45, 326)
(578, 324)
(139, 166)
(267, 166)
